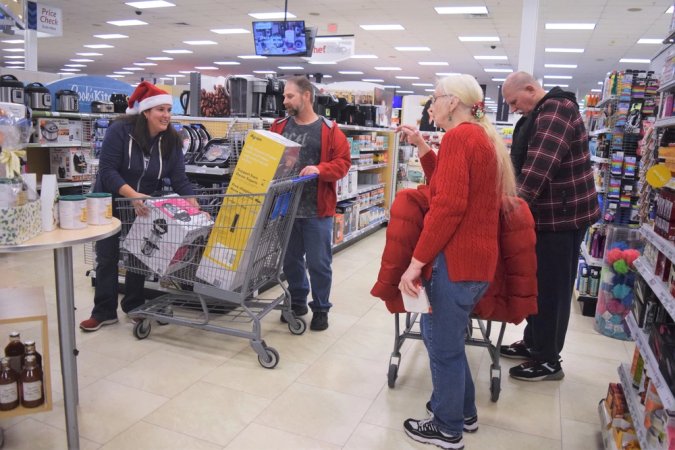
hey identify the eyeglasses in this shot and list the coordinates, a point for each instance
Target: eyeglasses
(436, 97)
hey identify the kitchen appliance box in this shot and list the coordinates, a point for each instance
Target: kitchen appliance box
(170, 236)
(70, 163)
(58, 132)
(265, 157)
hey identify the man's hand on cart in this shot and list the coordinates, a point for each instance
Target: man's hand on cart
(309, 170)
(411, 279)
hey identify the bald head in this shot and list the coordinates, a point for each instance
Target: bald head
(522, 92)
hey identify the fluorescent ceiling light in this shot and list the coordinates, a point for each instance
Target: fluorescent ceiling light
(391, 86)
(82, 60)
(635, 61)
(388, 68)
(115, 76)
(393, 27)
(670, 10)
(492, 57)
(99, 46)
(554, 85)
(74, 65)
(150, 4)
(200, 42)
(487, 98)
(123, 73)
(406, 92)
(15, 57)
(350, 72)
(430, 90)
(447, 74)
(12, 49)
(491, 70)
(601, 83)
(563, 50)
(558, 77)
(422, 84)
(70, 70)
(13, 41)
(177, 51)
(596, 90)
(322, 63)
(363, 57)
(645, 41)
(405, 77)
(433, 63)
(206, 68)
(373, 80)
(159, 58)
(111, 36)
(478, 38)
(272, 15)
(413, 49)
(145, 64)
(570, 26)
(560, 66)
(328, 76)
(461, 10)
(186, 71)
(14, 62)
(175, 75)
(230, 31)
(291, 68)
(127, 23)
(133, 68)
(227, 63)
(89, 54)
(264, 71)
(499, 79)
(251, 57)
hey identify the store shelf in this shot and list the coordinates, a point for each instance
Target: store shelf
(592, 109)
(658, 286)
(667, 86)
(665, 122)
(605, 101)
(591, 261)
(634, 406)
(663, 245)
(359, 233)
(371, 166)
(642, 342)
(379, 203)
(369, 187)
(59, 145)
(607, 439)
(599, 131)
(372, 150)
(71, 115)
(204, 170)
(597, 159)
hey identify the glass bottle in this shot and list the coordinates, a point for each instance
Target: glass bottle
(15, 351)
(32, 394)
(9, 386)
(30, 350)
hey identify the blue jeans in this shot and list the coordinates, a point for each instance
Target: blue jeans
(453, 397)
(309, 250)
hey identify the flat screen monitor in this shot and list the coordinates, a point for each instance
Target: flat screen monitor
(280, 38)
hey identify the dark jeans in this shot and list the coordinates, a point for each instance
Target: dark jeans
(309, 249)
(107, 285)
(557, 262)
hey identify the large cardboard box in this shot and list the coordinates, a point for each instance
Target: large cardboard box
(169, 236)
(265, 157)
(70, 163)
(54, 131)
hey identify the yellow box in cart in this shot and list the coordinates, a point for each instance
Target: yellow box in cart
(265, 157)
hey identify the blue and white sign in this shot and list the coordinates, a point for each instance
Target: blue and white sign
(90, 89)
(44, 18)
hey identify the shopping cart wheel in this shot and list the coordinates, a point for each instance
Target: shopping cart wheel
(272, 358)
(297, 326)
(142, 329)
(392, 375)
(495, 388)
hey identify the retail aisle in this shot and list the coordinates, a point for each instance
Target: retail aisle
(189, 389)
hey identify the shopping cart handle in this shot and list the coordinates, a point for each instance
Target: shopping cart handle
(305, 178)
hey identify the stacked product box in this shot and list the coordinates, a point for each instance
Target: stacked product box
(53, 131)
(350, 215)
(664, 222)
(338, 228)
(347, 187)
(71, 163)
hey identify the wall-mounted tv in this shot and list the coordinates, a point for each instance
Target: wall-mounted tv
(280, 38)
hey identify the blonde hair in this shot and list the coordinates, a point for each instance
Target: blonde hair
(468, 91)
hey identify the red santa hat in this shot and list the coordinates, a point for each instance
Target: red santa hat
(147, 96)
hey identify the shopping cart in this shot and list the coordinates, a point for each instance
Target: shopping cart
(213, 265)
(411, 331)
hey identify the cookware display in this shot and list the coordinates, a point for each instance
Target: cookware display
(119, 102)
(216, 153)
(37, 97)
(11, 89)
(67, 101)
(102, 107)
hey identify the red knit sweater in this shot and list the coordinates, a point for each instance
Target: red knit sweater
(463, 216)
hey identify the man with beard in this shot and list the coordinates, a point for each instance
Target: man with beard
(325, 153)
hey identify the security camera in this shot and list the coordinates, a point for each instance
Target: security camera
(138, 12)
(493, 47)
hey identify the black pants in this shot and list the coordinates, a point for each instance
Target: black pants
(557, 262)
(107, 285)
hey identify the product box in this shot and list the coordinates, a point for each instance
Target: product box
(265, 157)
(70, 163)
(58, 131)
(166, 239)
(338, 228)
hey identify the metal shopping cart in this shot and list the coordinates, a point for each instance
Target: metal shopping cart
(411, 331)
(213, 267)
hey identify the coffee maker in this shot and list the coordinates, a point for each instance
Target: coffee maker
(246, 95)
(272, 104)
(323, 103)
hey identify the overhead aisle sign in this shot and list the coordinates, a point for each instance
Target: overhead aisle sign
(44, 18)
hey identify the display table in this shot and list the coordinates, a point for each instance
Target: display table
(62, 241)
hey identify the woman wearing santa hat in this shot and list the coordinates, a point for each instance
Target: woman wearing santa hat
(139, 151)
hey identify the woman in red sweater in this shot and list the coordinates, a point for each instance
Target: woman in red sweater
(470, 175)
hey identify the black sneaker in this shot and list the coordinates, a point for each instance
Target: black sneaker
(319, 321)
(517, 350)
(470, 423)
(425, 431)
(299, 310)
(537, 371)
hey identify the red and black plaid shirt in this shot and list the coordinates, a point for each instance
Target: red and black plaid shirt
(557, 178)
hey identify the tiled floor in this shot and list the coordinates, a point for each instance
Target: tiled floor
(188, 389)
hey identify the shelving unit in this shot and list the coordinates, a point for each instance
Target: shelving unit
(634, 406)
(605, 101)
(607, 440)
(358, 235)
(591, 261)
(599, 132)
(665, 122)
(362, 190)
(597, 159)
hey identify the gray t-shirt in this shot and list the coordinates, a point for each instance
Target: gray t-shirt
(309, 136)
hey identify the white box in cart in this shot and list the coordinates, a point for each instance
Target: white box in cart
(165, 237)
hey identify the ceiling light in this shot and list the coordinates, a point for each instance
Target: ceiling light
(206, 68)
(89, 54)
(200, 42)
(405, 77)
(230, 31)
(121, 72)
(145, 64)
(433, 63)
(558, 77)
(499, 79)
(635, 61)
(601, 83)
(492, 70)
(99, 46)
(596, 90)
(413, 49)
(391, 86)
(447, 74)
(115, 76)
(388, 68)
(492, 57)
(670, 10)
(554, 85)
(127, 23)
(560, 66)
(405, 92)
(363, 57)
(264, 71)
(133, 68)
(461, 10)
(563, 50)
(319, 63)
(291, 68)
(350, 72)
(111, 36)
(430, 90)
(251, 57)
(74, 65)
(478, 38)
(272, 15)
(159, 58)
(176, 75)
(14, 62)
(328, 76)
(393, 27)
(570, 26)
(227, 63)
(373, 80)
(422, 84)
(12, 49)
(13, 41)
(177, 52)
(150, 4)
(80, 60)
(186, 71)
(650, 41)
(15, 57)
(70, 70)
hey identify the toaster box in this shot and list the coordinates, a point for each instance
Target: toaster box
(70, 163)
(58, 132)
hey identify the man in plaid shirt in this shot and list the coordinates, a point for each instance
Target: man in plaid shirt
(550, 154)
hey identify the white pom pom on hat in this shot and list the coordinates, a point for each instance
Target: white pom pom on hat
(146, 96)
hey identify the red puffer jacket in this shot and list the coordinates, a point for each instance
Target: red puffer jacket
(512, 295)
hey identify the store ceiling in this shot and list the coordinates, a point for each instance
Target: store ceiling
(615, 36)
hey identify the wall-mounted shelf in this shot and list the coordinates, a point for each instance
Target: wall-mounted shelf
(634, 406)
(665, 122)
(605, 101)
(371, 166)
(371, 228)
(658, 286)
(663, 245)
(668, 85)
(607, 438)
(59, 145)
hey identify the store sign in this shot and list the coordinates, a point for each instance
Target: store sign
(90, 89)
(332, 49)
(45, 19)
